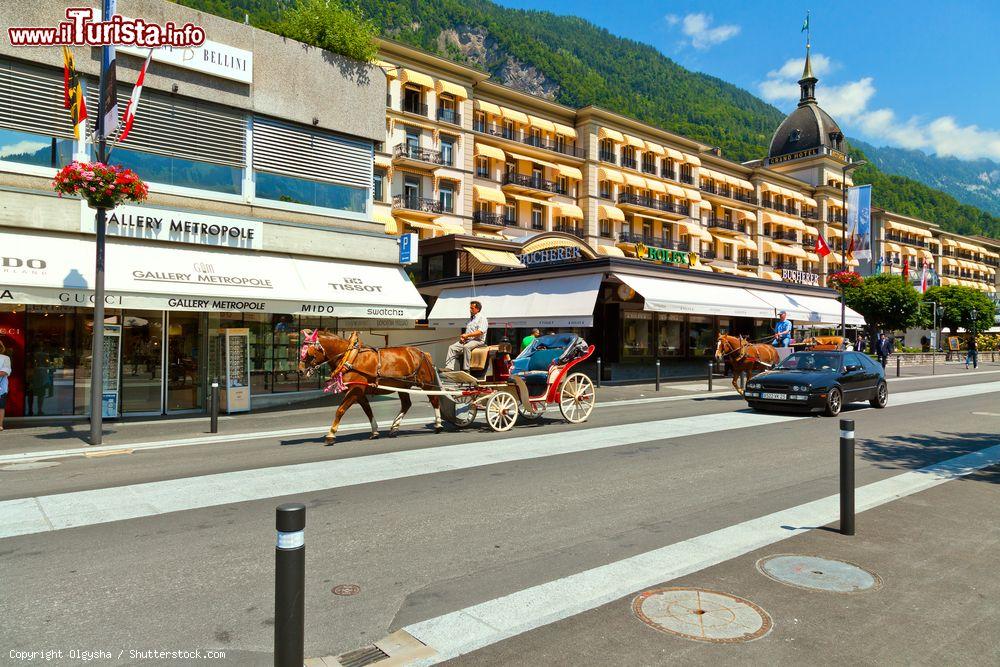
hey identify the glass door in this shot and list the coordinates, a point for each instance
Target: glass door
(185, 361)
(142, 362)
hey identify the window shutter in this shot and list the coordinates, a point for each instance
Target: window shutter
(302, 152)
(181, 127)
(31, 100)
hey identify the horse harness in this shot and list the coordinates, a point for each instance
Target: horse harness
(345, 363)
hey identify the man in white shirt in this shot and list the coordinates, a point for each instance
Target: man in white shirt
(4, 383)
(474, 336)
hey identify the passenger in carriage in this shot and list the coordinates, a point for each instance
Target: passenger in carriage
(473, 337)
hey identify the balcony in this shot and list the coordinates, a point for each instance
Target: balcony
(411, 153)
(629, 162)
(748, 261)
(648, 168)
(668, 173)
(791, 266)
(835, 217)
(449, 116)
(810, 215)
(708, 254)
(654, 241)
(687, 178)
(725, 225)
(417, 204)
(898, 238)
(533, 183)
(785, 235)
(608, 156)
(655, 204)
(569, 229)
(562, 147)
(808, 243)
(782, 208)
(729, 193)
(414, 106)
(485, 218)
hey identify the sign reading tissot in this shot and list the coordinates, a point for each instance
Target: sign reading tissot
(156, 224)
(799, 277)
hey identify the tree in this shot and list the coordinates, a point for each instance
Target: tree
(332, 26)
(956, 304)
(887, 302)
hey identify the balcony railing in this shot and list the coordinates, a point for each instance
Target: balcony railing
(449, 116)
(628, 162)
(748, 261)
(708, 254)
(792, 266)
(898, 238)
(655, 241)
(649, 202)
(485, 218)
(509, 222)
(810, 215)
(414, 107)
(648, 168)
(668, 173)
(564, 147)
(775, 206)
(417, 204)
(727, 192)
(608, 156)
(722, 223)
(569, 229)
(418, 153)
(533, 182)
(834, 217)
(784, 235)
(687, 178)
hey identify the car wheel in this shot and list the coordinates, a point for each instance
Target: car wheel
(881, 396)
(834, 402)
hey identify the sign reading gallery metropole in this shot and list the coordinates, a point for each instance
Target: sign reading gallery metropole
(157, 224)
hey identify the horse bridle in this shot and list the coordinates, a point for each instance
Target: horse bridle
(742, 349)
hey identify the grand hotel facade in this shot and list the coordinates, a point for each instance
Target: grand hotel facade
(645, 241)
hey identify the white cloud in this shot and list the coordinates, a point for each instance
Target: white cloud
(700, 32)
(21, 147)
(848, 104)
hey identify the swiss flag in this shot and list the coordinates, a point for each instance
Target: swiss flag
(822, 249)
(906, 269)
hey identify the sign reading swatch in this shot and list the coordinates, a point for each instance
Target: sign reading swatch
(157, 224)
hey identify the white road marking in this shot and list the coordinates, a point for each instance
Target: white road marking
(480, 625)
(83, 508)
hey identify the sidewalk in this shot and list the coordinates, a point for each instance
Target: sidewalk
(935, 602)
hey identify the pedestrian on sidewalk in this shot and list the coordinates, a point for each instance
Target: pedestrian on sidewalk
(4, 382)
(883, 349)
(973, 353)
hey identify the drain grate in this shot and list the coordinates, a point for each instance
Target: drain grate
(702, 615)
(818, 574)
(363, 656)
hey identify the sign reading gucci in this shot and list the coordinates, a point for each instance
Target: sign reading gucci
(799, 277)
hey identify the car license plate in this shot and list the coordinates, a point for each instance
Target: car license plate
(773, 396)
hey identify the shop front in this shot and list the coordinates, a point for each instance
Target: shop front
(636, 310)
(177, 318)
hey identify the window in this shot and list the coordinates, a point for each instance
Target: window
(479, 122)
(537, 176)
(448, 109)
(727, 251)
(482, 167)
(605, 189)
(605, 228)
(411, 190)
(412, 141)
(686, 173)
(510, 168)
(536, 217)
(510, 214)
(563, 185)
(413, 100)
(560, 143)
(446, 196)
(508, 129)
(648, 163)
(607, 150)
(447, 151)
(535, 138)
(378, 187)
(36, 149)
(628, 157)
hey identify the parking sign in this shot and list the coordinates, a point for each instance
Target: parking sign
(408, 248)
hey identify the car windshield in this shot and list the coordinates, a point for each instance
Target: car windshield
(811, 361)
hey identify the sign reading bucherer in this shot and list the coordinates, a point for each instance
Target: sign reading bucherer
(156, 224)
(799, 277)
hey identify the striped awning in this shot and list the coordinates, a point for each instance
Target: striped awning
(495, 257)
(541, 123)
(514, 115)
(655, 185)
(776, 219)
(490, 151)
(419, 78)
(489, 107)
(454, 89)
(635, 142)
(891, 247)
(609, 251)
(571, 211)
(565, 130)
(635, 181)
(655, 148)
(569, 172)
(613, 135)
(525, 158)
(610, 213)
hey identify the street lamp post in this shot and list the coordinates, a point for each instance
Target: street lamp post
(843, 201)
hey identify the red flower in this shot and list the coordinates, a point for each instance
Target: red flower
(102, 185)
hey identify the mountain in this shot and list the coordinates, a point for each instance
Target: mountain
(576, 63)
(974, 182)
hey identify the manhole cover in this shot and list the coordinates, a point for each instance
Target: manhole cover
(346, 589)
(33, 465)
(820, 574)
(706, 616)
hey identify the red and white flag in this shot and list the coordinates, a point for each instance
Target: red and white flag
(133, 102)
(923, 279)
(822, 249)
(906, 269)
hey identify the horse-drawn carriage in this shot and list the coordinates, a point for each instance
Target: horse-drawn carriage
(496, 383)
(748, 358)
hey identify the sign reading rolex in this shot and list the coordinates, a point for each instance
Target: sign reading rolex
(663, 255)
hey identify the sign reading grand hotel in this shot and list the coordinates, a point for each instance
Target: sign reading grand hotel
(156, 224)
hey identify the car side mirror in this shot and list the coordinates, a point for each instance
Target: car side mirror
(853, 367)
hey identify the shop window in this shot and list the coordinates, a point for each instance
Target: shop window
(637, 335)
(701, 336)
(51, 355)
(669, 335)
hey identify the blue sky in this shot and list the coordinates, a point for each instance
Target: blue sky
(915, 74)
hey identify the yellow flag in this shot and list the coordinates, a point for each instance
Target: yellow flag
(73, 93)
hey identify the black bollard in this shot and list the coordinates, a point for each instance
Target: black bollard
(898, 359)
(657, 375)
(598, 372)
(847, 476)
(289, 585)
(710, 376)
(215, 407)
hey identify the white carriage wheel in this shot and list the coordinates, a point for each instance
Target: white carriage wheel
(501, 411)
(577, 398)
(462, 410)
(534, 411)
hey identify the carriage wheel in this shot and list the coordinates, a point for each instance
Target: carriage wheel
(501, 411)
(534, 411)
(459, 411)
(577, 398)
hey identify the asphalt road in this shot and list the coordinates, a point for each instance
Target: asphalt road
(426, 541)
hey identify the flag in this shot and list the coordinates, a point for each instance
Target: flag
(821, 248)
(73, 98)
(859, 211)
(805, 24)
(923, 279)
(109, 82)
(133, 102)
(906, 269)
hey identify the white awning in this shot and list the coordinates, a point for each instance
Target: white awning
(547, 302)
(677, 296)
(807, 309)
(141, 275)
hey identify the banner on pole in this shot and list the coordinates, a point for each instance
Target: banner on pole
(109, 83)
(859, 222)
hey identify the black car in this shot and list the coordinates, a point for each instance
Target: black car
(819, 381)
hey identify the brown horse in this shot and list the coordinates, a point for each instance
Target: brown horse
(356, 369)
(745, 357)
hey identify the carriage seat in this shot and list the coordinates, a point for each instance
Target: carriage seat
(480, 358)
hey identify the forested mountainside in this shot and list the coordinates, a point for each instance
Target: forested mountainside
(576, 63)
